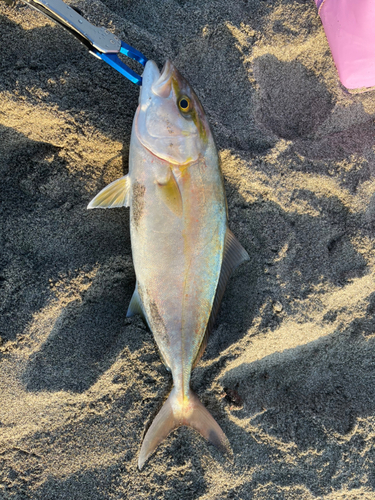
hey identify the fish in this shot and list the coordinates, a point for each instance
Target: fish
(182, 248)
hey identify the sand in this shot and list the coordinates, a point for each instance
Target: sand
(289, 371)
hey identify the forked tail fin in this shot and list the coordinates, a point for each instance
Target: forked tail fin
(176, 413)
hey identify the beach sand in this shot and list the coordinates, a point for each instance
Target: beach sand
(289, 371)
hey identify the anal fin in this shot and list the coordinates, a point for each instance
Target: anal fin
(234, 255)
(135, 306)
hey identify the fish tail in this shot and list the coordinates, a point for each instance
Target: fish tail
(176, 412)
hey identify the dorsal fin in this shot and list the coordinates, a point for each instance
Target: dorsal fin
(234, 255)
(114, 195)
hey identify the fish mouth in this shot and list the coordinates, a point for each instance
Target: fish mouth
(162, 86)
(156, 83)
(158, 124)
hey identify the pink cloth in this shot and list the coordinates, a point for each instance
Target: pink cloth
(350, 29)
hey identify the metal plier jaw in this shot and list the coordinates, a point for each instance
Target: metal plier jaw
(100, 42)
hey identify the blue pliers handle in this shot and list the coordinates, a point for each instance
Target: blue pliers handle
(100, 42)
(113, 60)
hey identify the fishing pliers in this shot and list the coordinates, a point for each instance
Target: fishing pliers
(100, 42)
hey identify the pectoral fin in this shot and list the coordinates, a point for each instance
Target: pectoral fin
(168, 191)
(116, 194)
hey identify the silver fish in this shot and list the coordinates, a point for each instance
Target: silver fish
(183, 249)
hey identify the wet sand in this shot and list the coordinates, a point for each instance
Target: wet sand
(289, 371)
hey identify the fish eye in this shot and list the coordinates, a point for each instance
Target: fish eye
(184, 104)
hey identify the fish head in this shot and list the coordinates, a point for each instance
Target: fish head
(170, 121)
